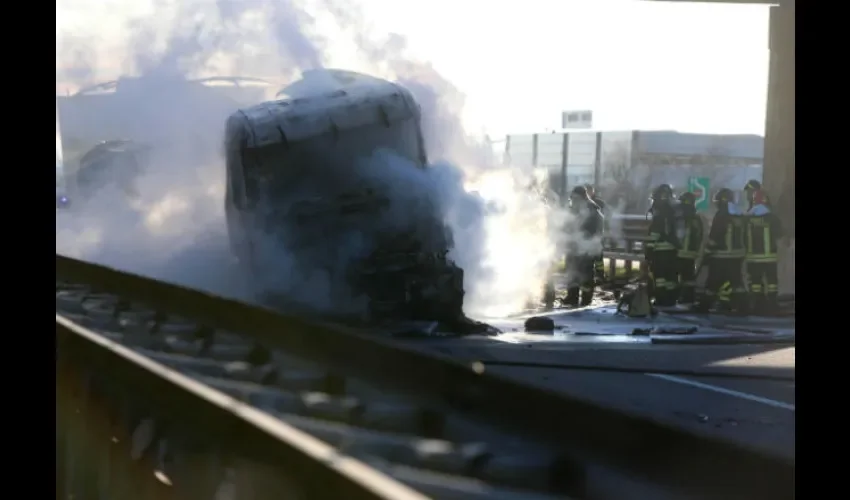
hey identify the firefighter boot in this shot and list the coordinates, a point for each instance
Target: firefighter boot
(549, 295)
(724, 297)
(771, 303)
(758, 304)
(586, 296)
(665, 297)
(687, 295)
(740, 302)
(703, 306)
(658, 295)
(572, 297)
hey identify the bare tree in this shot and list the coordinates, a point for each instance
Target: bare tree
(623, 186)
(626, 182)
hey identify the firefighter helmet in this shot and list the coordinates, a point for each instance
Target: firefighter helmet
(664, 192)
(577, 195)
(725, 195)
(688, 198)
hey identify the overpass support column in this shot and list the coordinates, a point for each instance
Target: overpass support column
(779, 165)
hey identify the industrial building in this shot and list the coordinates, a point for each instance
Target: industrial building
(636, 159)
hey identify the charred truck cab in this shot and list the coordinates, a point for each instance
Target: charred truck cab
(295, 193)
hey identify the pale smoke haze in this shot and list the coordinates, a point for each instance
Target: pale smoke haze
(504, 234)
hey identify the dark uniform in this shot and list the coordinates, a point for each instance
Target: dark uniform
(762, 232)
(751, 187)
(691, 234)
(661, 247)
(598, 264)
(599, 203)
(582, 253)
(724, 254)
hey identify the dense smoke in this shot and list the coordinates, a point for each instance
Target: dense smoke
(174, 229)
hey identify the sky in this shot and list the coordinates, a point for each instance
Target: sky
(686, 66)
(696, 67)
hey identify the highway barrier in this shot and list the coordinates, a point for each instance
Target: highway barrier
(623, 246)
(167, 392)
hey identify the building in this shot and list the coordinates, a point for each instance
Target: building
(626, 164)
(579, 119)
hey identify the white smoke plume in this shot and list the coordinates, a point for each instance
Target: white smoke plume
(174, 230)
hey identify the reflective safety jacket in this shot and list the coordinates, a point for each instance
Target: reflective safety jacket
(662, 232)
(762, 231)
(726, 237)
(692, 236)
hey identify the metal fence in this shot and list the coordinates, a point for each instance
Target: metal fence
(623, 246)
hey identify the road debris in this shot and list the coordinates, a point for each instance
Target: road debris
(666, 330)
(539, 324)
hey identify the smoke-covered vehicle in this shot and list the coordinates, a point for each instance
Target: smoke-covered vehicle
(154, 108)
(299, 190)
(111, 164)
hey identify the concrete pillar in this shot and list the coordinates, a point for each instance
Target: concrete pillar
(779, 165)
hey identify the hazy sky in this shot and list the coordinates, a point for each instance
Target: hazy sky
(637, 64)
(688, 66)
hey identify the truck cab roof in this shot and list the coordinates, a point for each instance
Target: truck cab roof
(357, 103)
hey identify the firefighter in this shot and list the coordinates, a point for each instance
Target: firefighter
(762, 232)
(724, 254)
(751, 186)
(584, 247)
(591, 193)
(661, 246)
(599, 263)
(690, 234)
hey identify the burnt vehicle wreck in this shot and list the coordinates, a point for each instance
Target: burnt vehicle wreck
(300, 189)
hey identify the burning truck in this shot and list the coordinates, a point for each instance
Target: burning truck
(296, 185)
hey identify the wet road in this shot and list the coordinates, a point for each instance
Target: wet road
(759, 414)
(740, 392)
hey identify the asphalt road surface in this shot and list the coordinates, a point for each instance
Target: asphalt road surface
(744, 393)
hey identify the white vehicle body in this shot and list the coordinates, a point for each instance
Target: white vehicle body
(297, 173)
(152, 110)
(327, 132)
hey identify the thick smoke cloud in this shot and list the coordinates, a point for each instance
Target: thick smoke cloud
(505, 236)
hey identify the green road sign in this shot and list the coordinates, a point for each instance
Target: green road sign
(701, 187)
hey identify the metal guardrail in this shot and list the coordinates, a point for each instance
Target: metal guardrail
(121, 417)
(624, 244)
(96, 373)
